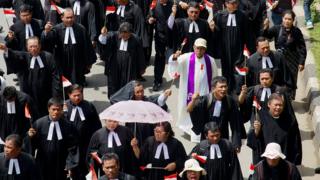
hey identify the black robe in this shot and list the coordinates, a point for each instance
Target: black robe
(19, 41)
(225, 168)
(121, 176)
(87, 17)
(284, 131)
(16, 123)
(176, 153)
(27, 165)
(284, 170)
(40, 83)
(54, 156)
(52, 15)
(231, 42)
(72, 60)
(85, 130)
(122, 66)
(99, 144)
(37, 10)
(202, 113)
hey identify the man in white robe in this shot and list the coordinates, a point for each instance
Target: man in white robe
(196, 70)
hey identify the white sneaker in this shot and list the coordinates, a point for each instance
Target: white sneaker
(309, 25)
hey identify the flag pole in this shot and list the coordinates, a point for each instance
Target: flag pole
(245, 66)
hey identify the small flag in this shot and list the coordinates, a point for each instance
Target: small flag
(95, 156)
(92, 174)
(251, 169)
(27, 112)
(171, 177)
(184, 42)
(54, 7)
(201, 159)
(9, 12)
(65, 82)
(148, 166)
(110, 10)
(256, 103)
(153, 4)
(201, 7)
(246, 52)
(208, 4)
(242, 71)
(1, 141)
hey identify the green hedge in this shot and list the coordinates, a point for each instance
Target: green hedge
(315, 36)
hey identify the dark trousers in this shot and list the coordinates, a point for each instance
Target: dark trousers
(160, 60)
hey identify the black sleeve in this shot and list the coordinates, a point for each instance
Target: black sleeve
(199, 115)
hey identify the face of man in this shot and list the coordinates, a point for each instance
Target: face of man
(111, 168)
(10, 150)
(33, 47)
(26, 17)
(275, 107)
(265, 80)
(231, 6)
(193, 13)
(263, 48)
(193, 175)
(199, 51)
(76, 96)
(138, 92)
(68, 18)
(213, 137)
(163, 1)
(123, 2)
(125, 35)
(273, 162)
(287, 21)
(220, 90)
(55, 112)
(160, 135)
(111, 125)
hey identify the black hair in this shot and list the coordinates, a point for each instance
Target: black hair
(125, 27)
(211, 126)
(167, 128)
(25, 8)
(194, 5)
(57, 101)
(16, 139)
(75, 87)
(218, 79)
(261, 39)
(9, 92)
(111, 156)
(290, 12)
(266, 70)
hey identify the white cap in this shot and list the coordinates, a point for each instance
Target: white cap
(192, 165)
(200, 42)
(273, 151)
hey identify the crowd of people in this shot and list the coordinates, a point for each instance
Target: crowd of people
(48, 131)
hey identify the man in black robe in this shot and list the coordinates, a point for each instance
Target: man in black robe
(221, 158)
(35, 5)
(12, 112)
(274, 165)
(231, 33)
(85, 118)
(275, 125)
(38, 74)
(123, 53)
(54, 139)
(15, 164)
(73, 51)
(220, 108)
(53, 10)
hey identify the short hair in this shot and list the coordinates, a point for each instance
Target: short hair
(25, 8)
(68, 9)
(166, 127)
(290, 12)
(275, 96)
(16, 139)
(35, 38)
(137, 83)
(211, 126)
(57, 101)
(111, 156)
(266, 70)
(218, 79)
(125, 27)
(261, 39)
(194, 5)
(74, 87)
(9, 92)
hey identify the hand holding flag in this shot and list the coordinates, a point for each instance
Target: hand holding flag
(110, 10)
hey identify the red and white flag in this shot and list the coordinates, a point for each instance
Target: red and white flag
(153, 4)
(54, 7)
(208, 4)
(256, 103)
(65, 81)
(242, 71)
(251, 169)
(246, 52)
(95, 157)
(201, 159)
(92, 175)
(9, 12)
(110, 10)
(27, 112)
(171, 177)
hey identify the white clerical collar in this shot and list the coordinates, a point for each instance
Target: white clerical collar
(266, 92)
(123, 45)
(11, 107)
(113, 135)
(14, 164)
(195, 25)
(69, 33)
(217, 108)
(76, 8)
(266, 60)
(54, 125)
(120, 10)
(164, 147)
(33, 61)
(215, 150)
(232, 20)
(29, 31)
(74, 111)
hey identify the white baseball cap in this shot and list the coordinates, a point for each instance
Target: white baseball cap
(200, 42)
(273, 151)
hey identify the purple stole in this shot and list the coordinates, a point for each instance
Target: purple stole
(192, 63)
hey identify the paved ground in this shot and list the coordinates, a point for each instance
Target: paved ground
(97, 93)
